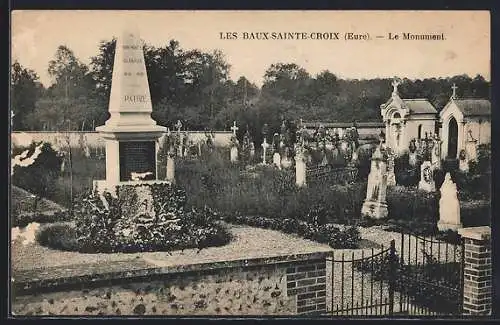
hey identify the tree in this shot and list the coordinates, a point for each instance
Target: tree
(25, 91)
(38, 178)
(72, 95)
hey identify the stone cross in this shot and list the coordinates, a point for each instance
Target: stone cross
(234, 128)
(179, 126)
(454, 94)
(265, 145)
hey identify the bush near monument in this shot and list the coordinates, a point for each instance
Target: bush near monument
(113, 229)
(40, 176)
(333, 235)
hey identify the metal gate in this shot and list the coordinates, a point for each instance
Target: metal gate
(413, 276)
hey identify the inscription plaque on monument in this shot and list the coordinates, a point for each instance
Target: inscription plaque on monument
(137, 157)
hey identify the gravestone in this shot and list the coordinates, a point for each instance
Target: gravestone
(131, 136)
(391, 176)
(170, 176)
(234, 148)
(375, 205)
(412, 156)
(463, 164)
(277, 159)
(286, 161)
(252, 150)
(471, 147)
(265, 145)
(449, 206)
(426, 177)
(436, 153)
(300, 166)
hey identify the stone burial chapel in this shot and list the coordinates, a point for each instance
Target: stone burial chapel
(461, 126)
(131, 136)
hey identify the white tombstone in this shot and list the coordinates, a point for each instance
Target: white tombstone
(252, 150)
(300, 167)
(412, 158)
(375, 205)
(277, 160)
(265, 145)
(170, 168)
(234, 154)
(449, 206)
(426, 180)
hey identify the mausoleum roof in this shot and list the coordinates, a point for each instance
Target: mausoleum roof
(474, 107)
(420, 106)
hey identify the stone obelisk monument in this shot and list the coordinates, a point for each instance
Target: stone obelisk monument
(130, 134)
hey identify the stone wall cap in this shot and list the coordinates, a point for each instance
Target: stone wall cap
(477, 233)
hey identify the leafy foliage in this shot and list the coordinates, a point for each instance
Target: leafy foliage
(25, 91)
(264, 191)
(335, 236)
(119, 227)
(39, 178)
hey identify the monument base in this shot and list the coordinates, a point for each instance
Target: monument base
(374, 210)
(442, 226)
(101, 186)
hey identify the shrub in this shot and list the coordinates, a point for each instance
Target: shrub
(406, 175)
(268, 192)
(335, 236)
(58, 236)
(38, 178)
(123, 227)
(22, 220)
(412, 204)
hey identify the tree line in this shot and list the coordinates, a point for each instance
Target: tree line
(194, 86)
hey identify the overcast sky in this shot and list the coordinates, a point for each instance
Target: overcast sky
(37, 34)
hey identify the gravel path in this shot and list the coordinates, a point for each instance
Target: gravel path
(249, 243)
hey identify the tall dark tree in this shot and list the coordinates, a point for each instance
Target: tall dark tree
(25, 91)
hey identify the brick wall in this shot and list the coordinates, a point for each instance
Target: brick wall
(477, 271)
(308, 284)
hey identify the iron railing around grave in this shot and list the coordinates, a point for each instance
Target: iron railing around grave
(330, 174)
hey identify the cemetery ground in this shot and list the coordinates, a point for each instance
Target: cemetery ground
(247, 200)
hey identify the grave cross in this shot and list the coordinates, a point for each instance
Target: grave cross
(234, 128)
(179, 126)
(454, 94)
(265, 145)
